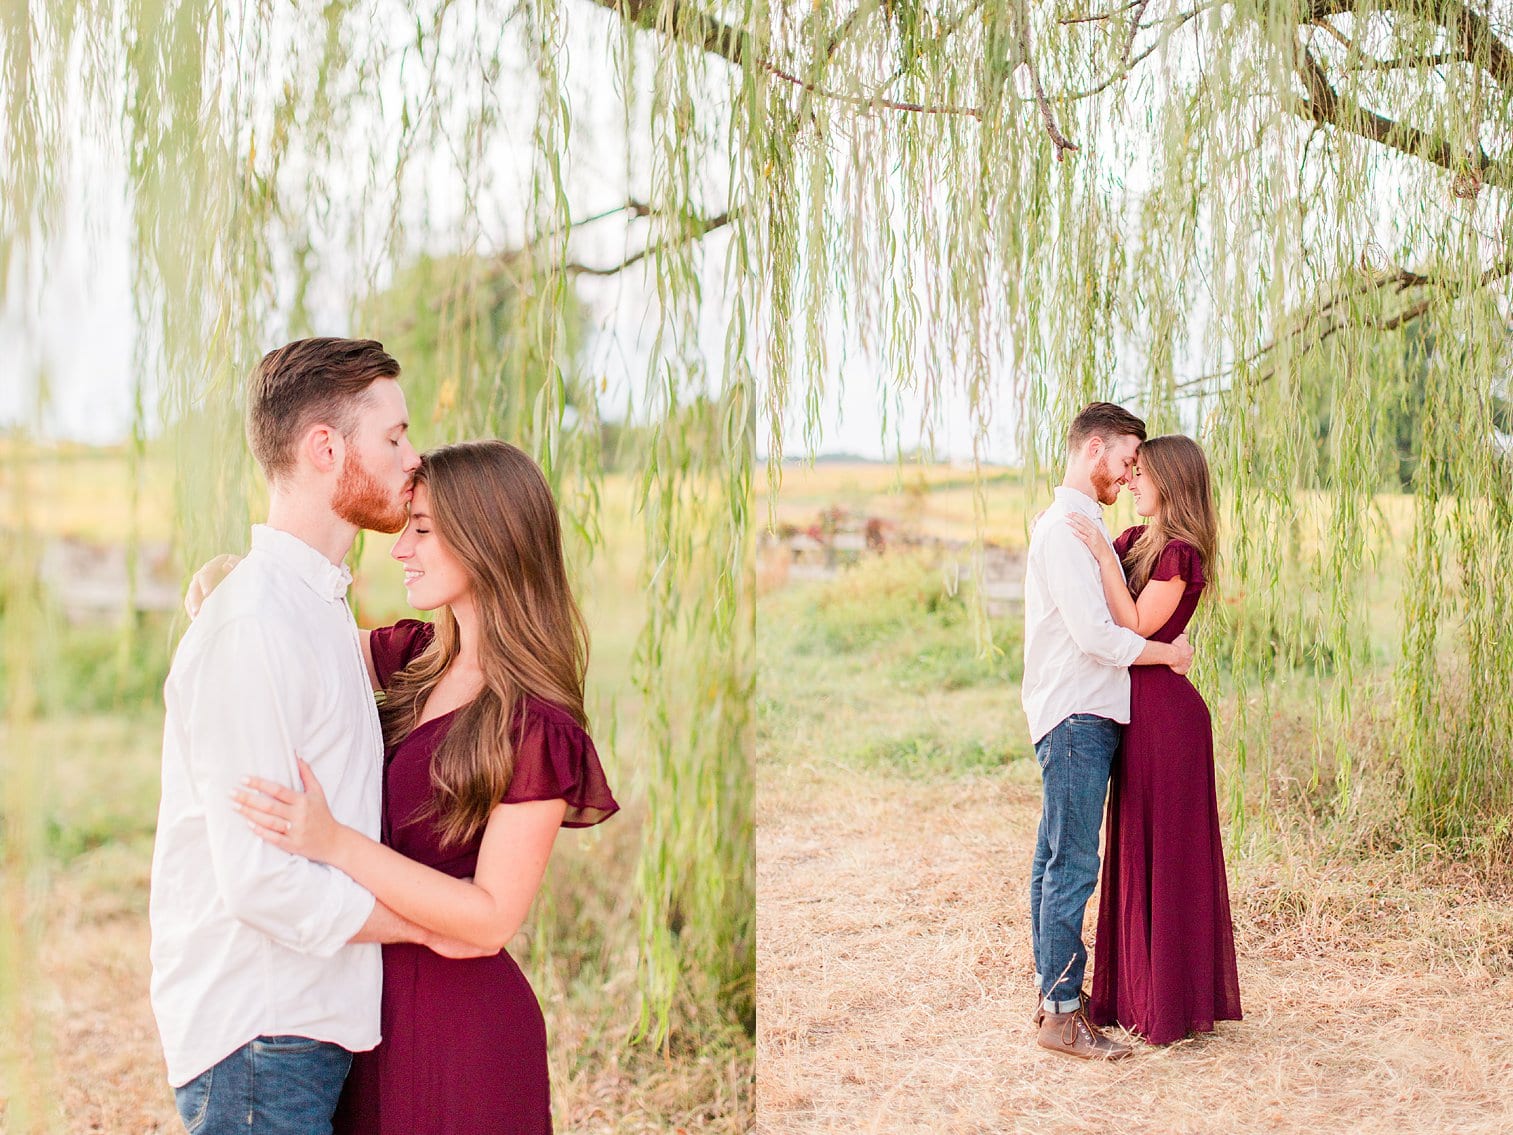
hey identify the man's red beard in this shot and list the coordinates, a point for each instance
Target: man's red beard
(360, 499)
(1105, 484)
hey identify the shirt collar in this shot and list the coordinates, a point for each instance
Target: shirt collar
(323, 577)
(1079, 500)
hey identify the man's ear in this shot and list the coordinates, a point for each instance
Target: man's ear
(1093, 448)
(325, 448)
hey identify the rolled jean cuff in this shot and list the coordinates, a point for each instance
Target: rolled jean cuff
(1069, 1006)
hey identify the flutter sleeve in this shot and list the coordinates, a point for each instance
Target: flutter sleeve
(1179, 560)
(556, 760)
(397, 646)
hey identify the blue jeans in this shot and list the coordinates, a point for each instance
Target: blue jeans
(274, 1085)
(1075, 758)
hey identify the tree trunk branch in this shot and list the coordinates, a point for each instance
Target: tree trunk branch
(1026, 56)
(701, 228)
(1325, 106)
(1471, 31)
(681, 22)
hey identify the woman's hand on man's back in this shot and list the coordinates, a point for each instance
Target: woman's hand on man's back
(206, 580)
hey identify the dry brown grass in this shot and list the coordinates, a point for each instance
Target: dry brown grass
(895, 981)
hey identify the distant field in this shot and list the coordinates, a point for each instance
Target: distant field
(937, 502)
(940, 500)
(86, 492)
(937, 499)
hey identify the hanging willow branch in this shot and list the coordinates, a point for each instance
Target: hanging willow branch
(696, 230)
(1235, 157)
(1333, 316)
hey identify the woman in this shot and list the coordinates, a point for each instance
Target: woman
(1166, 950)
(486, 757)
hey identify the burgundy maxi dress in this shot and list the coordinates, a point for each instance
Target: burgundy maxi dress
(464, 1043)
(1165, 958)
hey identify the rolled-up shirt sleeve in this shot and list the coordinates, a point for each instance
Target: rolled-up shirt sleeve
(1076, 587)
(240, 725)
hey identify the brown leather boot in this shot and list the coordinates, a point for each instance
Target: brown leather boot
(1075, 1035)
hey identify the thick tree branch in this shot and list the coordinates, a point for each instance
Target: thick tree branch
(1471, 31)
(1327, 107)
(1474, 35)
(1335, 34)
(686, 24)
(1468, 29)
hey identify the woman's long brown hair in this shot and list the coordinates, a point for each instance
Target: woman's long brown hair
(1177, 467)
(492, 509)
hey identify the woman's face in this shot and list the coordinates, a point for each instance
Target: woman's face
(434, 577)
(1142, 487)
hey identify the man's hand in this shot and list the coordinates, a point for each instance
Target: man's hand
(1184, 654)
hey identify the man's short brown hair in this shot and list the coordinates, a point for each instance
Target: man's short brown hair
(1103, 420)
(305, 383)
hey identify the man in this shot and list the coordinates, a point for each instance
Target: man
(1076, 698)
(266, 967)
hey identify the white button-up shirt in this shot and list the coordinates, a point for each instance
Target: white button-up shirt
(248, 940)
(1076, 657)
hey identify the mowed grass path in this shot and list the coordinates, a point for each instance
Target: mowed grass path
(896, 810)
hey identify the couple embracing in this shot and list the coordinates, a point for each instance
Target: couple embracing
(1112, 714)
(328, 871)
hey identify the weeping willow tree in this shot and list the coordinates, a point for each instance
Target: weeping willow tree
(482, 186)
(1220, 213)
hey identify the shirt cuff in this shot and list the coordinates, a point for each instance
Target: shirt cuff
(328, 931)
(1134, 646)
